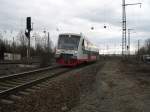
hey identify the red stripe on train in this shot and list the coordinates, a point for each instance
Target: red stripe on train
(73, 62)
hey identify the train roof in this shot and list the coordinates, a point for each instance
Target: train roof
(71, 34)
(91, 44)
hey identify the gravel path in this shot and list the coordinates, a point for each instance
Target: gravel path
(115, 91)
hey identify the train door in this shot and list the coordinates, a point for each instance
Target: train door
(84, 50)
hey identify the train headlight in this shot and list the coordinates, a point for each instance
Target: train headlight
(74, 57)
(75, 52)
(57, 55)
(58, 51)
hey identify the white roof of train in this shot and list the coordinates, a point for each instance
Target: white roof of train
(70, 34)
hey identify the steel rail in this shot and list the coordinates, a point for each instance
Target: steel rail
(27, 73)
(13, 90)
(4, 63)
(26, 85)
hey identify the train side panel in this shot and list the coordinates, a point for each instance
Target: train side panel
(82, 56)
(87, 52)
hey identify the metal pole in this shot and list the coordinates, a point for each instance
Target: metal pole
(129, 41)
(138, 50)
(138, 46)
(129, 37)
(29, 45)
(124, 41)
(123, 28)
(13, 48)
(28, 50)
(48, 43)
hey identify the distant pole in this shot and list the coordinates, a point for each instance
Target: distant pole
(128, 47)
(138, 55)
(13, 48)
(28, 53)
(138, 46)
(48, 43)
(45, 38)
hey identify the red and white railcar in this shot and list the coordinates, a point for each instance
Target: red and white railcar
(74, 49)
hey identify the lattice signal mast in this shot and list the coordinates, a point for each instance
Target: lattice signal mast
(124, 26)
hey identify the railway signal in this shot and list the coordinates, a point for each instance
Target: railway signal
(28, 23)
(27, 33)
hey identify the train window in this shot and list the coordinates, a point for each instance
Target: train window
(68, 42)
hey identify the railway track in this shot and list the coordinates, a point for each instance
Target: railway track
(20, 62)
(17, 83)
(11, 84)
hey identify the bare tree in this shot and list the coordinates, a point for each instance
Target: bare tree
(23, 43)
(146, 48)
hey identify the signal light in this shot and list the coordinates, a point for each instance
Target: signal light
(28, 23)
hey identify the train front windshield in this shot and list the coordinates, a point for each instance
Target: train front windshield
(69, 42)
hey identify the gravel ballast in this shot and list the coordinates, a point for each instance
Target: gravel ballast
(57, 95)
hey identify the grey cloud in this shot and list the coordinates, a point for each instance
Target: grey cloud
(73, 15)
(102, 16)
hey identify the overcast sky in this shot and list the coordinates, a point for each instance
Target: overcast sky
(78, 16)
